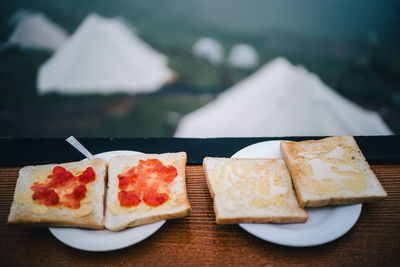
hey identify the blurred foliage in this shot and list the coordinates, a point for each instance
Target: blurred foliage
(354, 52)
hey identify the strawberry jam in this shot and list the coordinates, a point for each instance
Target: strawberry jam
(62, 181)
(149, 181)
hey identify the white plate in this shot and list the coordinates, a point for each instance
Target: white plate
(104, 240)
(324, 224)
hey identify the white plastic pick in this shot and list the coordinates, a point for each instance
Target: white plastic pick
(75, 143)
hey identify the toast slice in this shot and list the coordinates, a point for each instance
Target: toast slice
(145, 188)
(252, 191)
(331, 171)
(65, 194)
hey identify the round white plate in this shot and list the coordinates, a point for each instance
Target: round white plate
(324, 224)
(104, 240)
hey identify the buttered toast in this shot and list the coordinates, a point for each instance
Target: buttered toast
(252, 191)
(330, 171)
(145, 188)
(66, 194)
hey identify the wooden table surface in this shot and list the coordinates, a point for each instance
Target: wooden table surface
(197, 239)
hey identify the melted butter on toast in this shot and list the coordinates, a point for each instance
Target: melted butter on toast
(329, 168)
(248, 185)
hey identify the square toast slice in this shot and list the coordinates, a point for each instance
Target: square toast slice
(252, 191)
(331, 171)
(60, 195)
(145, 188)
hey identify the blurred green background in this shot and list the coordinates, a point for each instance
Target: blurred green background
(353, 46)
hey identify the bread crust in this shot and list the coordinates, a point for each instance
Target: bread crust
(294, 163)
(286, 149)
(275, 219)
(22, 212)
(288, 213)
(183, 212)
(172, 209)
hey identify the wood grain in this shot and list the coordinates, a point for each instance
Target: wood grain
(196, 239)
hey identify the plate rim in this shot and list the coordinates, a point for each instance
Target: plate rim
(58, 233)
(357, 212)
(55, 231)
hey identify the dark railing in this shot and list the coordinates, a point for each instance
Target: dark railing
(31, 151)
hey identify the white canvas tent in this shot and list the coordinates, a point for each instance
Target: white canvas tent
(35, 30)
(104, 56)
(280, 100)
(210, 49)
(243, 56)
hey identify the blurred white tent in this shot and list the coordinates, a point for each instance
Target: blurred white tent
(243, 56)
(280, 100)
(104, 56)
(210, 49)
(35, 30)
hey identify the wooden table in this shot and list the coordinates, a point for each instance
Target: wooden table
(197, 240)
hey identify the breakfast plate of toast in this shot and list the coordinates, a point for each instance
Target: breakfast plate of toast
(89, 212)
(333, 205)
